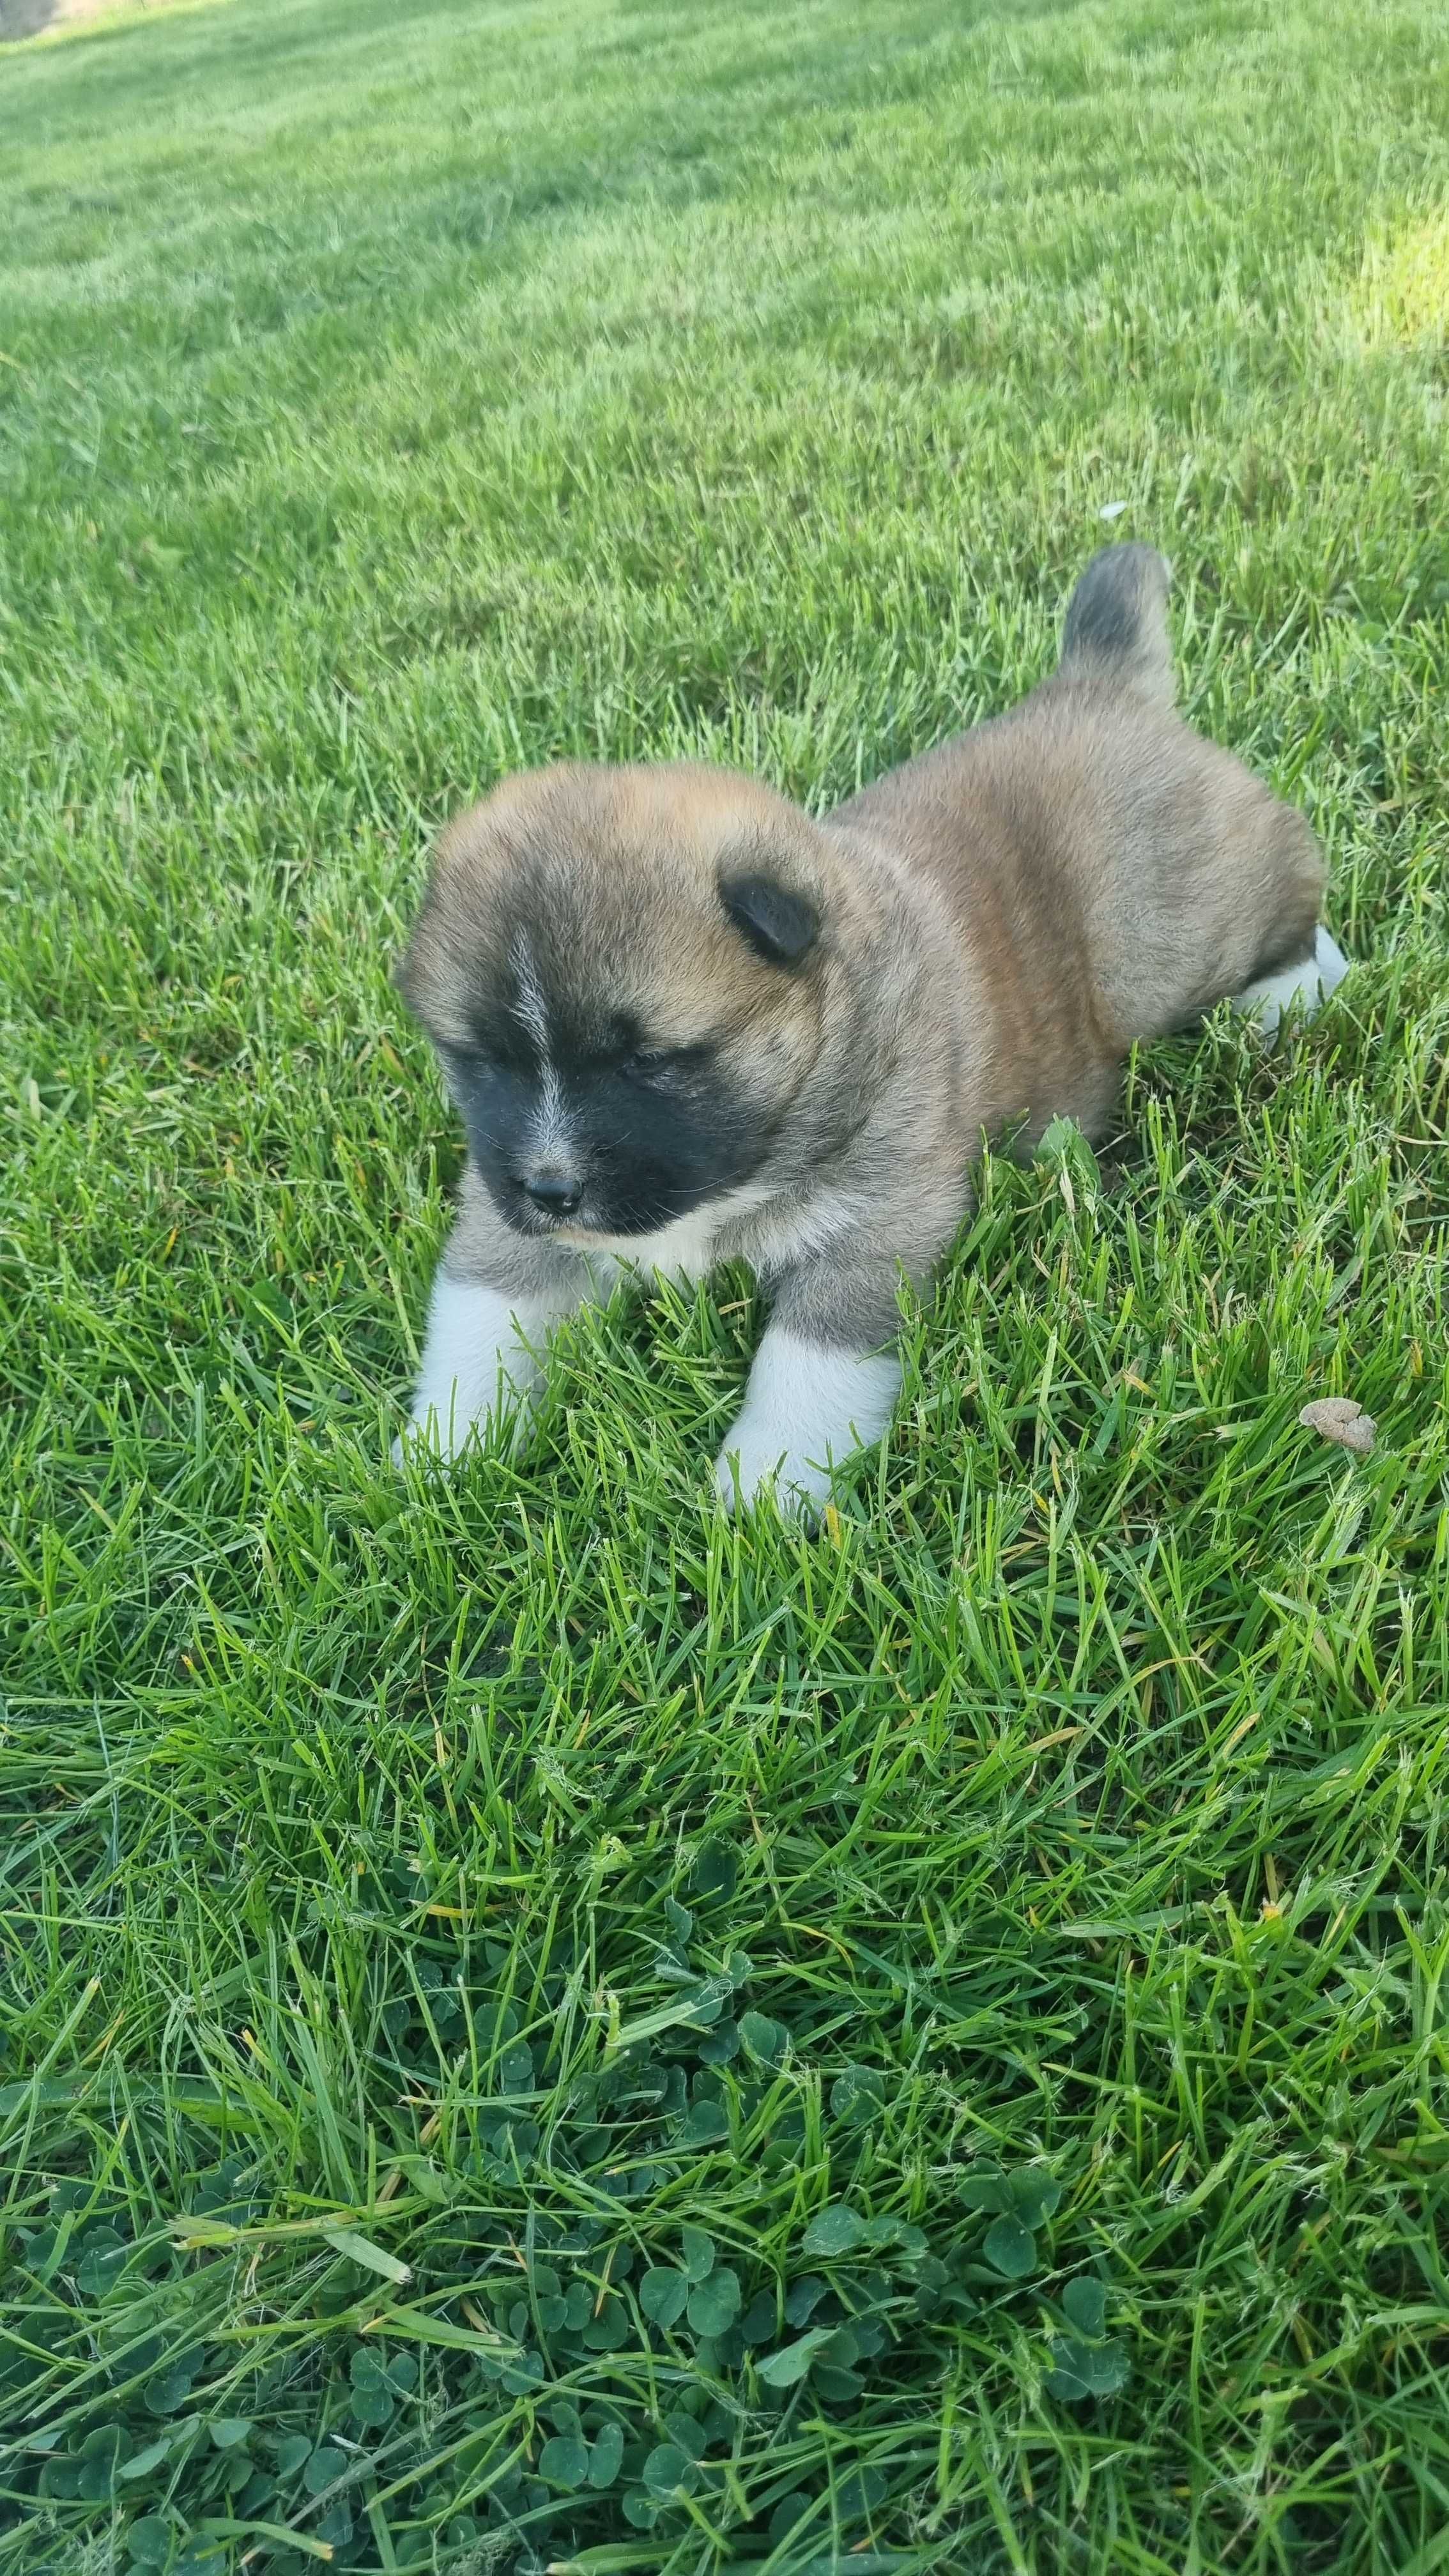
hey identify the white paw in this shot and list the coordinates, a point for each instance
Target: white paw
(745, 1469)
(1330, 961)
(1306, 985)
(808, 1407)
(481, 1366)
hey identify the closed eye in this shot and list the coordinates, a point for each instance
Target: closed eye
(475, 1063)
(494, 1049)
(662, 1064)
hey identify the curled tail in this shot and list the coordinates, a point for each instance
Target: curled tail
(1116, 629)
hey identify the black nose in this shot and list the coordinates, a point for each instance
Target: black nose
(553, 1191)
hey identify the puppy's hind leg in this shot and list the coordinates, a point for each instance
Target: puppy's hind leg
(1305, 982)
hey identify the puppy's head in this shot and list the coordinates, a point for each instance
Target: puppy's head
(623, 973)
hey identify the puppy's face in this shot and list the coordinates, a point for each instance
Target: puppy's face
(621, 973)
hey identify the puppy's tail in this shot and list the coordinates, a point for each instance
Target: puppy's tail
(1116, 629)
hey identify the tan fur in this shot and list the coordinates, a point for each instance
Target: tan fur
(1000, 920)
(624, 862)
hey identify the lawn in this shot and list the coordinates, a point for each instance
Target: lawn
(539, 2028)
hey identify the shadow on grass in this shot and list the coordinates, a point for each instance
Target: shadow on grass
(32, 17)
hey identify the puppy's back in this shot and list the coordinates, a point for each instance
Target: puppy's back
(1095, 847)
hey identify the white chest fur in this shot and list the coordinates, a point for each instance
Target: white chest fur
(687, 1249)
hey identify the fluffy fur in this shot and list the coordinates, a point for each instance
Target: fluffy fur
(684, 1022)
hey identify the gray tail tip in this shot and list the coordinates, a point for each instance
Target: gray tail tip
(1117, 619)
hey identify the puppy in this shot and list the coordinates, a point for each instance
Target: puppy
(683, 1022)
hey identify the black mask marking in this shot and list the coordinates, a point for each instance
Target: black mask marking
(648, 1134)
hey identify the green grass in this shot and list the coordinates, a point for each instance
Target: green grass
(1022, 1911)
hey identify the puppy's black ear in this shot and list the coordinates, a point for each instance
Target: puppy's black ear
(780, 926)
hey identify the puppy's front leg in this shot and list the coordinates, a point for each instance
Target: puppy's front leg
(483, 1355)
(822, 1385)
(808, 1407)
